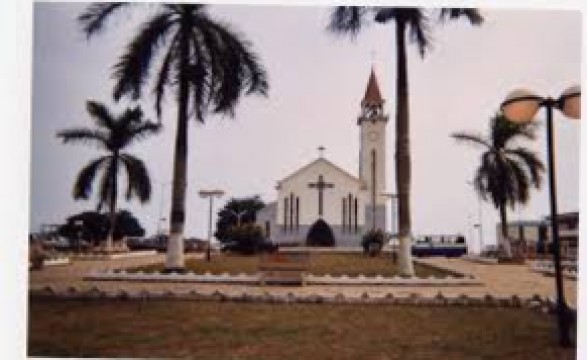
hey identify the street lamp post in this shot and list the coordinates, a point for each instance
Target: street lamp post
(521, 106)
(210, 194)
(479, 225)
(161, 218)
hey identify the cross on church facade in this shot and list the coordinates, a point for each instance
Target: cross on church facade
(320, 186)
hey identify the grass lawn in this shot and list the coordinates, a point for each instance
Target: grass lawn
(350, 264)
(223, 330)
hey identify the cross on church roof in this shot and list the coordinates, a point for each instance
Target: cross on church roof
(321, 151)
(320, 185)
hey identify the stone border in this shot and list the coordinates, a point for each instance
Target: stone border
(54, 261)
(455, 273)
(481, 260)
(394, 280)
(547, 268)
(58, 261)
(254, 279)
(535, 302)
(124, 255)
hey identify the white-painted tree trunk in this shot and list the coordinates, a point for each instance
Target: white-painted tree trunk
(507, 247)
(406, 266)
(175, 256)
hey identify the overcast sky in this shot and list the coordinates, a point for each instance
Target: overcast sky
(316, 81)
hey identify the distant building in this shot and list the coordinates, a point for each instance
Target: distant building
(533, 239)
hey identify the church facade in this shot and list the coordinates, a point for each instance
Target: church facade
(321, 204)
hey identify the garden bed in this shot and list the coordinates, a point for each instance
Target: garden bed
(333, 264)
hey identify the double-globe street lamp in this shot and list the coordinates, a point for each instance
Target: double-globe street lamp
(210, 194)
(521, 106)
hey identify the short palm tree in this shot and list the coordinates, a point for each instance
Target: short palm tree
(207, 64)
(112, 135)
(415, 23)
(507, 171)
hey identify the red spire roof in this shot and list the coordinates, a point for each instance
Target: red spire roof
(372, 94)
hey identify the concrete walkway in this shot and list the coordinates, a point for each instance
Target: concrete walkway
(498, 280)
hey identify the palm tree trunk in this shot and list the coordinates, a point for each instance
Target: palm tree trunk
(402, 153)
(113, 197)
(505, 248)
(175, 258)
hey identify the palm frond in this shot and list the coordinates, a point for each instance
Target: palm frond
(532, 163)
(143, 130)
(520, 184)
(130, 117)
(205, 69)
(473, 15)
(132, 69)
(474, 139)
(163, 76)
(419, 28)
(139, 183)
(185, 8)
(100, 114)
(486, 179)
(347, 20)
(383, 14)
(237, 68)
(82, 187)
(108, 184)
(84, 136)
(95, 15)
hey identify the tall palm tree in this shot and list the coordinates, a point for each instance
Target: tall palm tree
(415, 23)
(208, 65)
(507, 171)
(112, 135)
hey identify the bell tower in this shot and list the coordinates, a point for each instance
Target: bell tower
(372, 123)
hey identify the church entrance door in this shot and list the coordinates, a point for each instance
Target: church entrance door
(320, 234)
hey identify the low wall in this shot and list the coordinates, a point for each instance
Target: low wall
(123, 255)
(535, 302)
(254, 279)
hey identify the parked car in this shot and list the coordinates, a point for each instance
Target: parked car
(56, 242)
(137, 243)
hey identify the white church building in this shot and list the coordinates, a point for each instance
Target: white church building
(321, 204)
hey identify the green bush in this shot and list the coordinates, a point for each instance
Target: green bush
(247, 239)
(372, 242)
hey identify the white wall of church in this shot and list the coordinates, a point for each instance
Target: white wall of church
(332, 201)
